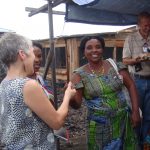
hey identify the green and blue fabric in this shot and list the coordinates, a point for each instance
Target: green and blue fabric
(108, 122)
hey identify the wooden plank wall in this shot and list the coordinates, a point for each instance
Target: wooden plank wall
(72, 53)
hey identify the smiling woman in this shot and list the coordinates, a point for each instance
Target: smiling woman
(38, 56)
(37, 49)
(108, 123)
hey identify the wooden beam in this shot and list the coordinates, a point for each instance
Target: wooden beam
(38, 10)
(30, 9)
(44, 8)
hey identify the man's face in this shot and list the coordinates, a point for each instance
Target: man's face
(144, 25)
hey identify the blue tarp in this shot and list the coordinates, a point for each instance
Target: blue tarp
(107, 12)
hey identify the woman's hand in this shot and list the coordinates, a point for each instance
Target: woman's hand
(130, 85)
(65, 86)
(70, 90)
(75, 95)
(135, 118)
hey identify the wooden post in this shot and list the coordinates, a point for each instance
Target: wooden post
(51, 58)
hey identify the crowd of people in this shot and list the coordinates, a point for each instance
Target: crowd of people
(27, 114)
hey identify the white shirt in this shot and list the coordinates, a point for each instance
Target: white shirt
(133, 47)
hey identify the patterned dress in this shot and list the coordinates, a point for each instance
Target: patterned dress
(108, 123)
(20, 128)
(3, 70)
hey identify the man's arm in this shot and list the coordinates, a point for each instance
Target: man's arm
(130, 61)
(128, 58)
(134, 61)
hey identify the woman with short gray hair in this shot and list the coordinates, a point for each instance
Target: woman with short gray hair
(27, 117)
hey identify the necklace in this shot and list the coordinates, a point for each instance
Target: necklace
(99, 72)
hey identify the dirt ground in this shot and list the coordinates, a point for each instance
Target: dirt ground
(75, 124)
(75, 143)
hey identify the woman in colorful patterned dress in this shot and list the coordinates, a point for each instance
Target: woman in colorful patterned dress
(108, 124)
(27, 118)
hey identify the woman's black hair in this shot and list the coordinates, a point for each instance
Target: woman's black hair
(87, 38)
(37, 44)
